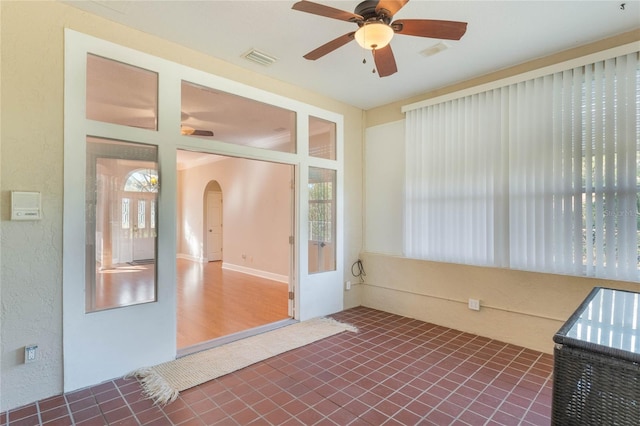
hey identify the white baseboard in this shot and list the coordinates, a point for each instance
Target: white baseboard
(256, 272)
(191, 258)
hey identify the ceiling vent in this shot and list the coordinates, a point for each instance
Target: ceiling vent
(259, 57)
(435, 49)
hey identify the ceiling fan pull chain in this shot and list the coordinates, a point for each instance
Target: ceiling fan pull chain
(373, 52)
(364, 29)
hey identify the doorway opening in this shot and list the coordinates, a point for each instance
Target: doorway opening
(234, 261)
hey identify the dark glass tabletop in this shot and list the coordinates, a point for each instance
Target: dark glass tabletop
(607, 321)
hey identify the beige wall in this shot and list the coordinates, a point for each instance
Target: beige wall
(524, 308)
(31, 143)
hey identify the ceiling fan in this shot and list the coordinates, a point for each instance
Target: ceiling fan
(376, 30)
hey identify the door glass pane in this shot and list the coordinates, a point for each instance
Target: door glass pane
(121, 94)
(121, 197)
(153, 215)
(141, 214)
(212, 114)
(322, 138)
(322, 226)
(125, 213)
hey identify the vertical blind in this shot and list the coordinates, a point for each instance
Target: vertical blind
(540, 175)
(455, 180)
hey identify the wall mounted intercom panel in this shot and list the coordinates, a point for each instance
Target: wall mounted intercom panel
(25, 205)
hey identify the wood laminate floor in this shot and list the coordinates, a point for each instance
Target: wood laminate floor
(215, 302)
(211, 302)
(124, 285)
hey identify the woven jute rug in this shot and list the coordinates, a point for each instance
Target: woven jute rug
(163, 382)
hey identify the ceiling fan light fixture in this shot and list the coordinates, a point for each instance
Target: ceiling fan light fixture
(374, 35)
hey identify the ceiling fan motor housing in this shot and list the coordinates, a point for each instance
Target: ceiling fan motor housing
(367, 9)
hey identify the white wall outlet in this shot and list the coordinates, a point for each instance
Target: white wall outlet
(30, 353)
(347, 285)
(474, 304)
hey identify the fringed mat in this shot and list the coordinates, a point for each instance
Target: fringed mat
(163, 382)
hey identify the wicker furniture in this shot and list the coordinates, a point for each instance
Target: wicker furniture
(597, 362)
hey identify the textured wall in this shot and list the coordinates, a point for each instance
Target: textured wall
(353, 205)
(32, 70)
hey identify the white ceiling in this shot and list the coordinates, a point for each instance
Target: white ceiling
(500, 34)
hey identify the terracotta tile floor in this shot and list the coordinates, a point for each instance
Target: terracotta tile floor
(395, 371)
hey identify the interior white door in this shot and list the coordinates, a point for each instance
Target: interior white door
(214, 226)
(136, 236)
(143, 226)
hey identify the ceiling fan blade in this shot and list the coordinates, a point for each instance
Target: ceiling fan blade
(202, 133)
(329, 12)
(448, 30)
(391, 6)
(329, 47)
(189, 131)
(385, 61)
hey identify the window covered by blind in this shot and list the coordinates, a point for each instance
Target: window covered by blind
(456, 170)
(542, 175)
